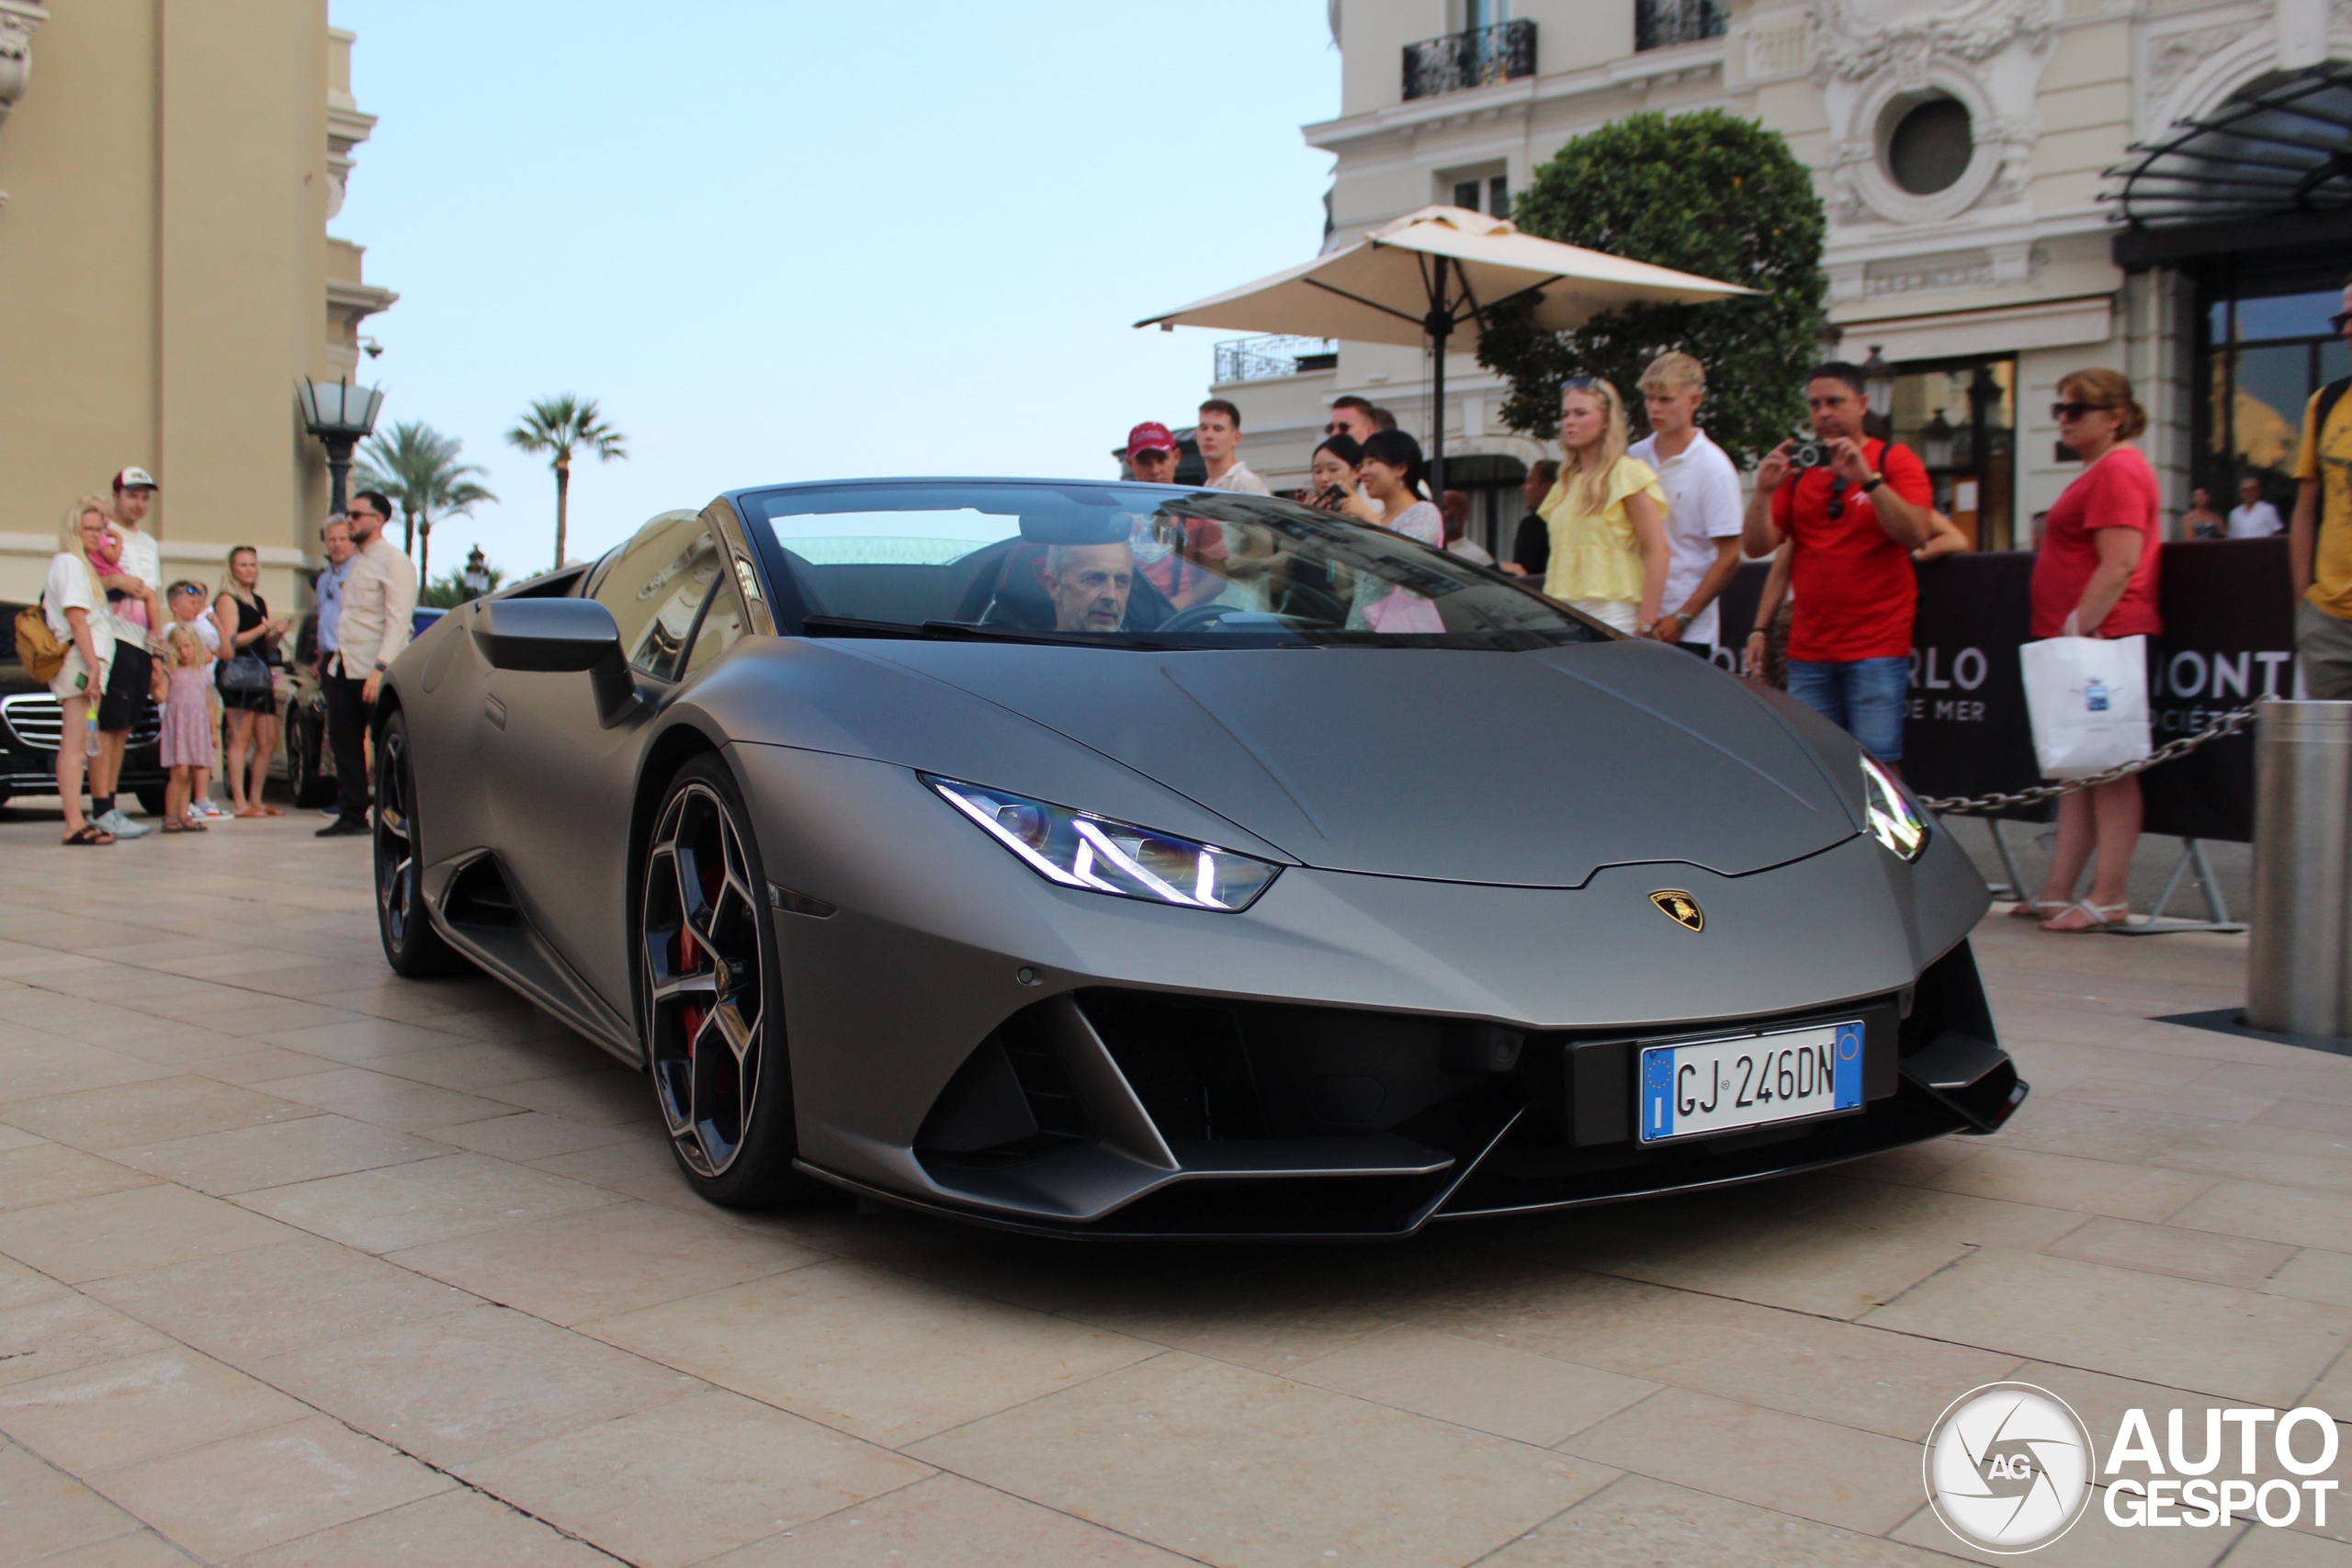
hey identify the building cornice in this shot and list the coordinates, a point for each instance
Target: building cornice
(20, 19)
(1519, 97)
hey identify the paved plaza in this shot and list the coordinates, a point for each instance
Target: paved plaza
(303, 1264)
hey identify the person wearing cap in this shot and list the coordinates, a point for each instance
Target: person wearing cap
(135, 616)
(1181, 576)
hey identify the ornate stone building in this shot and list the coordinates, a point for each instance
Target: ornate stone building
(1974, 156)
(167, 275)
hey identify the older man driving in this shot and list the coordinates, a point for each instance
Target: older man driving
(1089, 585)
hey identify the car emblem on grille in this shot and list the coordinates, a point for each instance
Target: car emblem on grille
(1679, 908)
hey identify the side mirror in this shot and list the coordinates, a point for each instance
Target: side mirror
(561, 636)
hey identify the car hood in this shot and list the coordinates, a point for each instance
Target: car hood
(1532, 769)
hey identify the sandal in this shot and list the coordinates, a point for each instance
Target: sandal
(89, 833)
(2037, 909)
(2102, 916)
(249, 811)
(271, 811)
(174, 825)
(193, 825)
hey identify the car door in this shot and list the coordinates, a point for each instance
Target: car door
(561, 783)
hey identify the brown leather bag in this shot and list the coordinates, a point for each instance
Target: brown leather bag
(38, 649)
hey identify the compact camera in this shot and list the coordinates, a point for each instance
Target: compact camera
(1809, 452)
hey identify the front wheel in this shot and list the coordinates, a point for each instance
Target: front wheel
(712, 1001)
(411, 944)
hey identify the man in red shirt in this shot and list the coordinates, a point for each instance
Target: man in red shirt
(1856, 518)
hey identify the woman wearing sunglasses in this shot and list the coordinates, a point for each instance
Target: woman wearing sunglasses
(1607, 513)
(2095, 576)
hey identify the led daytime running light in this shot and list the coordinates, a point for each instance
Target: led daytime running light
(1887, 810)
(1075, 848)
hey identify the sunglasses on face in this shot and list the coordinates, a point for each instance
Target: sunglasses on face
(2075, 410)
(1579, 384)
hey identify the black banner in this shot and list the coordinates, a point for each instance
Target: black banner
(2229, 638)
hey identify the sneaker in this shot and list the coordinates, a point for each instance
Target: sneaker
(122, 827)
(208, 809)
(331, 812)
(342, 828)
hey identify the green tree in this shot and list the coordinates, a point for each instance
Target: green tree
(1705, 192)
(559, 426)
(418, 468)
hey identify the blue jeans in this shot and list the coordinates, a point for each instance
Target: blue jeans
(1864, 697)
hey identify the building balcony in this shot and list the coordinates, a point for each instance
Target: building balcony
(1271, 357)
(1479, 58)
(1662, 24)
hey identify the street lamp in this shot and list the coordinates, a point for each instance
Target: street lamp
(341, 415)
(1878, 378)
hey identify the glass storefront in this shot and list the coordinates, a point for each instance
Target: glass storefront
(2266, 347)
(1961, 417)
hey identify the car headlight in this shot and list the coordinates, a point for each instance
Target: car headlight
(1078, 848)
(1893, 820)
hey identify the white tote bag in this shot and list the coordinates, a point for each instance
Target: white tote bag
(2088, 699)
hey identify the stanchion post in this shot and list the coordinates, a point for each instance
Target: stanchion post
(2299, 967)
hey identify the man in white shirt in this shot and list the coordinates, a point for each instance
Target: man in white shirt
(132, 605)
(1702, 512)
(1219, 435)
(375, 623)
(2252, 517)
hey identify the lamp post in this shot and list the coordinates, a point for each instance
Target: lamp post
(341, 415)
(1877, 392)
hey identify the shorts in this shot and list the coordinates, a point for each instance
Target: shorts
(128, 695)
(1865, 697)
(2325, 644)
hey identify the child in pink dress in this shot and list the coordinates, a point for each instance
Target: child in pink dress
(187, 720)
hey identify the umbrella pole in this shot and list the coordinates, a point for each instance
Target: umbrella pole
(1438, 325)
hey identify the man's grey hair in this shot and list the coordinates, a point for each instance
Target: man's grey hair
(1057, 556)
(333, 518)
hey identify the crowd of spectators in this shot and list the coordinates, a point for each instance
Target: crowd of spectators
(211, 661)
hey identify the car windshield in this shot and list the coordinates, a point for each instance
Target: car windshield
(1141, 566)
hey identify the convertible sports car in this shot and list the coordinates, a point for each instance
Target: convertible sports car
(1105, 858)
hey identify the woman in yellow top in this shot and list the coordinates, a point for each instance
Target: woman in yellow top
(1607, 515)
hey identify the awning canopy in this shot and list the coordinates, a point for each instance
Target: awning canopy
(2282, 147)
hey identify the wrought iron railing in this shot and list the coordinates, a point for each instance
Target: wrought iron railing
(1661, 24)
(1479, 58)
(1263, 358)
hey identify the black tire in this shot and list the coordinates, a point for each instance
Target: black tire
(411, 946)
(713, 1034)
(302, 738)
(151, 800)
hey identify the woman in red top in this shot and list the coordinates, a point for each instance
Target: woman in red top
(2096, 577)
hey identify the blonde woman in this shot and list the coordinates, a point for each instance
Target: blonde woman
(73, 602)
(1607, 515)
(248, 648)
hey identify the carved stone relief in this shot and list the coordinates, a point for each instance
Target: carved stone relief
(18, 21)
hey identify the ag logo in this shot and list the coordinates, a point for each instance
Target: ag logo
(2009, 1467)
(1679, 908)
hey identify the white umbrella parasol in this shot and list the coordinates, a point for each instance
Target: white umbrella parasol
(1431, 276)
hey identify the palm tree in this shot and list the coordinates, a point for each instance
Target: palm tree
(418, 468)
(559, 425)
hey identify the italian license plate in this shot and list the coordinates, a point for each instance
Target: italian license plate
(1719, 1086)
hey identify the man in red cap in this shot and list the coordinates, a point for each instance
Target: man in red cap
(1180, 575)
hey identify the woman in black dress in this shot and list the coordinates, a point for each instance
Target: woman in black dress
(248, 650)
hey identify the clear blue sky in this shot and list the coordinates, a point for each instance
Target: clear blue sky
(787, 242)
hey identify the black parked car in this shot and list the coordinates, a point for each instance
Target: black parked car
(30, 720)
(305, 761)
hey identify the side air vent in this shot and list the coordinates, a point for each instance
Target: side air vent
(478, 898)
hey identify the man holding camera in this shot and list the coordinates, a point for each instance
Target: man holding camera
(1856, 509)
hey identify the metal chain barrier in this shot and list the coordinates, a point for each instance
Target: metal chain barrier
(2228, 723)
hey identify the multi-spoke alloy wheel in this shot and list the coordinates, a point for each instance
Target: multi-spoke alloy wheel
(706, 978)
(411, 944)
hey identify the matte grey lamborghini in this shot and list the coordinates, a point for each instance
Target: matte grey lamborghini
(1113, 860)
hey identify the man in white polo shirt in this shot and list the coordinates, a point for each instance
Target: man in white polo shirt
(1702, 512)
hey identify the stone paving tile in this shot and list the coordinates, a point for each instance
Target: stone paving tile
(682, 1483)
(2062, 1181)
(1512, 1393)
(20, 1286)
(1639, 1522)
(277, 1154)
(1243, 1468)
(356, 1042)
(2295, 1217)
(247, 1307)
(461, 1388)
(140, 1549)
(450, 1530)
(602, 1261)
(471, 1067)
(45, 1172)
(57, 1065)
(244, 1494)
(531, 1135)
(366, 1095)
(2315, 1275)
(427, 1201)
(119, 1232)
(140, 1407)
(59, 1333)
(949, 1519)
(606, 1097)
(2233, 1343)
(1833, 1474)
(876, 1355)
(48, 1512)
(2176, 1250)
(151, 1111)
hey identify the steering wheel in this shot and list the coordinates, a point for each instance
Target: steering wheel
(1196, 618)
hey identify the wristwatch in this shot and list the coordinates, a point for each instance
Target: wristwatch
(379, 666)
(1872, 483)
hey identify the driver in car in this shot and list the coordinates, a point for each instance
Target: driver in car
(1089, 585)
